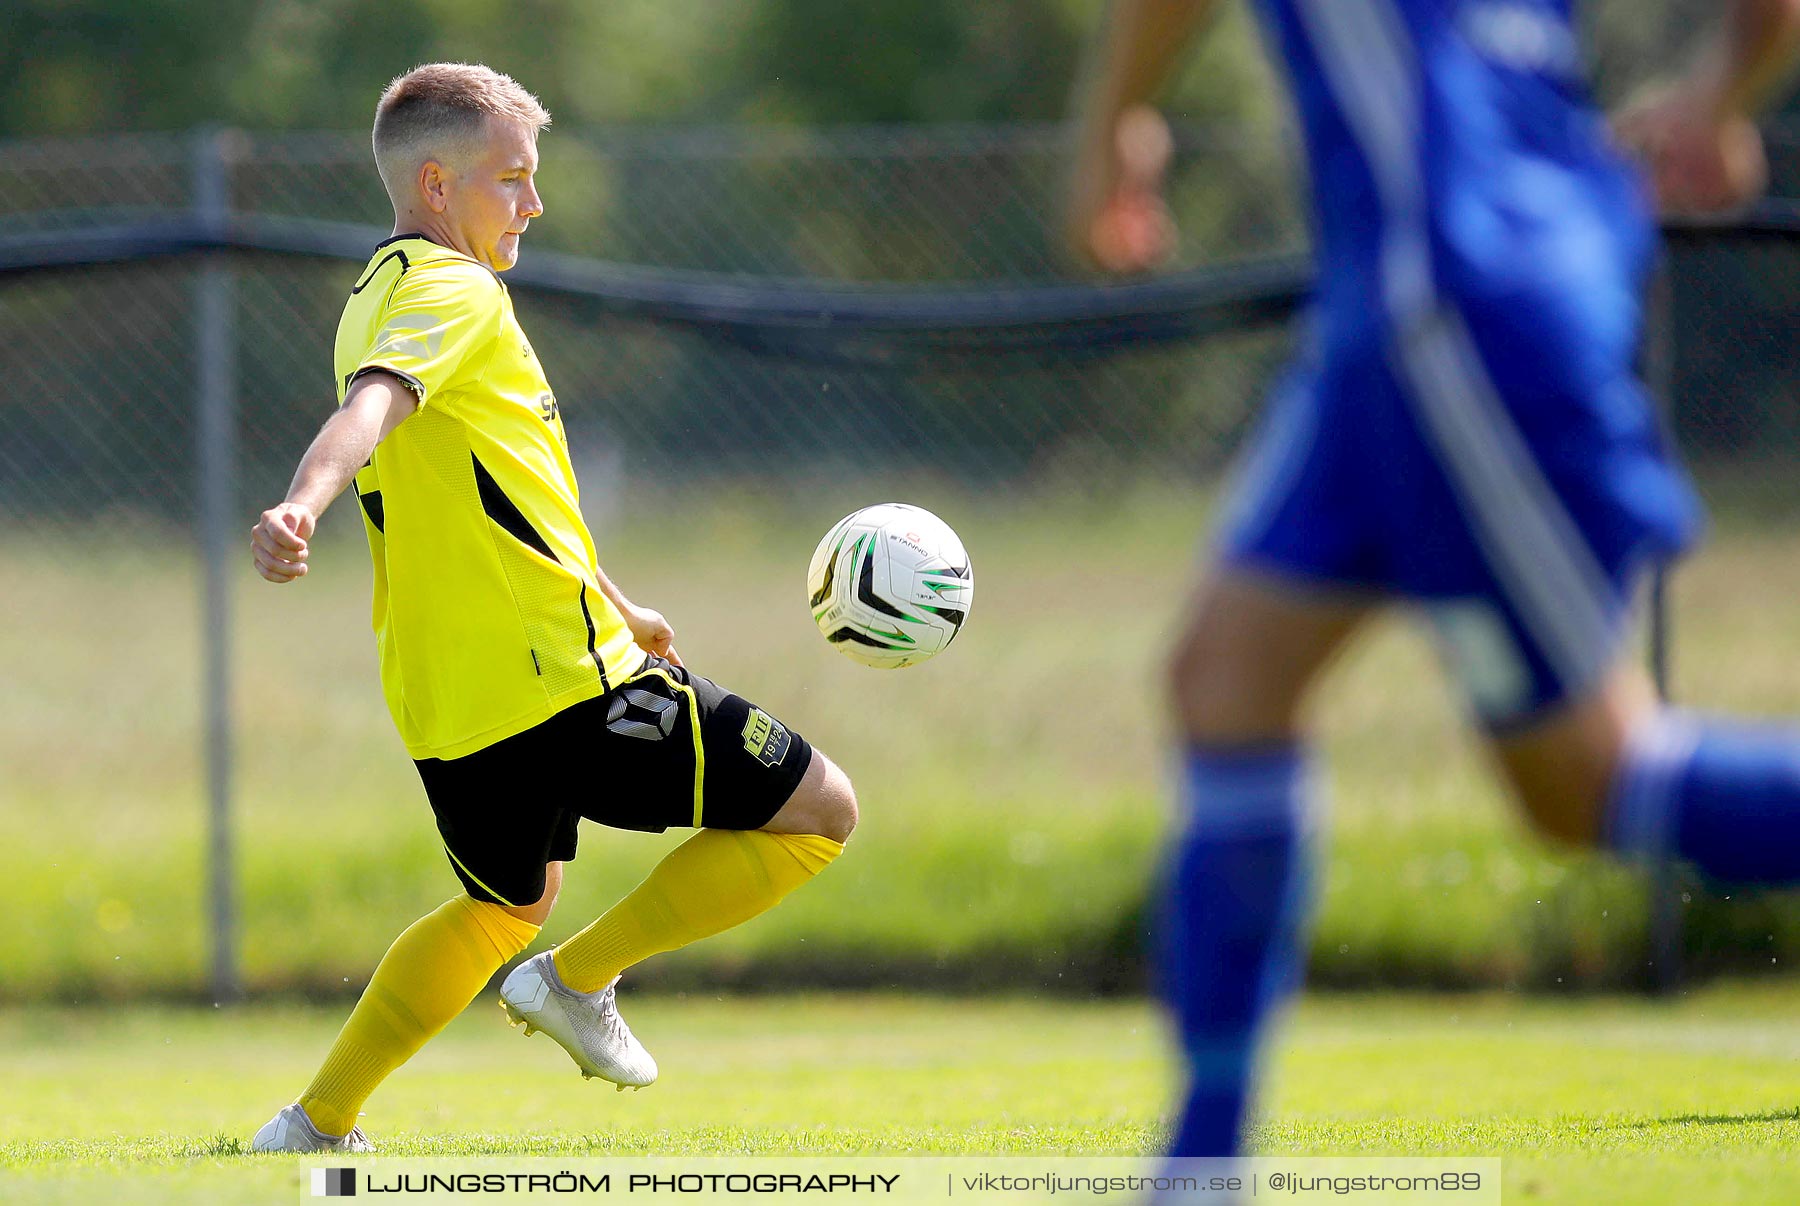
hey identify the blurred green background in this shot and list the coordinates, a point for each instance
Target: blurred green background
(1012, 790)
(104, 66)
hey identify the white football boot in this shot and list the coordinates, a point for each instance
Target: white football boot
(587, 1024)
(292, 1131)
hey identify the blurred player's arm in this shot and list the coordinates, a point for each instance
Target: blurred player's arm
(1755, 56)
(376, 404)
(1114, 216)
(1696, 134)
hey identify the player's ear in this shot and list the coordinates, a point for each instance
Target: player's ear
(434, 185)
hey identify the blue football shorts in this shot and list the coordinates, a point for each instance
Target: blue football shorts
(1513, 486)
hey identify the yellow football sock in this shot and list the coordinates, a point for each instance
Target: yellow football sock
(716, 879)
(427, 977)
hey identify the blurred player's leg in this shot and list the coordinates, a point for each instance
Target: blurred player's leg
(1237, 889)
(1651, 783)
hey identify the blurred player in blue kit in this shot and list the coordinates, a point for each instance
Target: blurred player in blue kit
(1462, 431)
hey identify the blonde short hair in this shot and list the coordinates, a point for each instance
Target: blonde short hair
(436, 111)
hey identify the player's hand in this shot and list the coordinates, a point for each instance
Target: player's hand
(651, 631)
(279, 541)
(1118, 220)
(1701, 157)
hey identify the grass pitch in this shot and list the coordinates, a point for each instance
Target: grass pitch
(1594, 1100)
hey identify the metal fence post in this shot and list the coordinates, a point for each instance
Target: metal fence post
(1659, 375)
(215, 495)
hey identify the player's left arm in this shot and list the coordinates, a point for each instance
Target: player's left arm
(649, 627)
(1114, 216)
(1697, 135)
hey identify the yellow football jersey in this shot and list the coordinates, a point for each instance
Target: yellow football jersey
(487, 612)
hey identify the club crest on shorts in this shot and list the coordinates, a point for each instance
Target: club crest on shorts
(635, 712)
(765, 737)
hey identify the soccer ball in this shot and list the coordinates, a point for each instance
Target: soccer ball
(890, 585)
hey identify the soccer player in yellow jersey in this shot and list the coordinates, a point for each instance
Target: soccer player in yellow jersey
(528, 689)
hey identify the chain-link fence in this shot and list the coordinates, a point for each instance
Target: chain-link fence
(896, 207)
(961, 205)
(103, 437)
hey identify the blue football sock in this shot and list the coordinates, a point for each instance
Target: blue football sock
(1725, 795)
(1230, 941)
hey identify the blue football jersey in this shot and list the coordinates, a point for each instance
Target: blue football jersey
(1469, 126)
(1463, 427)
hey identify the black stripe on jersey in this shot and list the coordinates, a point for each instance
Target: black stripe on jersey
(502, 511)
(395, 254)
(588, 617)
(371, 505)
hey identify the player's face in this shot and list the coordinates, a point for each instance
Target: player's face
(495, 196)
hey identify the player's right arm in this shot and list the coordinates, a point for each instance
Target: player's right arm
(1696, 135)
(376, 404)
(1114, 216)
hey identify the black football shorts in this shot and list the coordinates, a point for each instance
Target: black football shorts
(663, 748)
